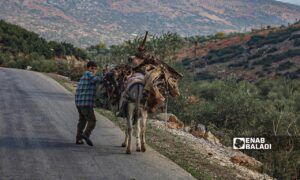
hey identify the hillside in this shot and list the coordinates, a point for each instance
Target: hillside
(85, 23)
(262, 54)
(20, 48)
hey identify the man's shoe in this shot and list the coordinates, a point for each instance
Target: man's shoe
(79, 141)
(87, 140)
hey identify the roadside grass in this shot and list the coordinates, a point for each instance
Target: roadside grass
(172, 146)
(62, 81)
(165, 143)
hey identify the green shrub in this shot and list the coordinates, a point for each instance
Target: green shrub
(229, 104)
(284, 66)
(297, 43)
(272, 38)
(2, 59)
(277, 37)
(11, 63)
(295, 36)
(293, 75)
(277, 57)
(204, 76)
(257, 55)
(223, 55)
(200, 65)
(48, 66)
(76, 73)
(239, 64)
(63, 68)
(228, 50)
(208, 90)
(273, 49)
(255, 40)
(43, 65)
(21, 63)
(260, 73)
(186, 61)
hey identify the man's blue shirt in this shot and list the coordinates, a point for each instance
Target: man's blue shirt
(86, 90)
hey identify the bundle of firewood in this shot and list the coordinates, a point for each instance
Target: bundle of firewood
(160, 81)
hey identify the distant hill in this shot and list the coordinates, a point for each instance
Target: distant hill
(263, 54)
(89, 22)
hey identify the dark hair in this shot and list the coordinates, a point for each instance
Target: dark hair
(91, 64)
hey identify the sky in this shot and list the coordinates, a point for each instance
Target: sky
(291, 1)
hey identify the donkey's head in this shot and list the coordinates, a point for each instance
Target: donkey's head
(114, 79)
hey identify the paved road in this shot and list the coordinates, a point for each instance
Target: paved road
(37, 132)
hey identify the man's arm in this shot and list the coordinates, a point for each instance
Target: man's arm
(95, 79)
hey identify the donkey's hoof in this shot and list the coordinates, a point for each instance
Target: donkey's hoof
(123, 145)
(143, 149)
(138, 149)
(128, 152)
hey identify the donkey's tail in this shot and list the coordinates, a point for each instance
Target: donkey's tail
(137, 104)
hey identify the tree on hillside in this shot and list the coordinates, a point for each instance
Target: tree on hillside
(220, 35)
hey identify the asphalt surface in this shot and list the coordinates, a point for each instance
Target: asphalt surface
(38, 122)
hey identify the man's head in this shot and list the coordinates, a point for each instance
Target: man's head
(92, 67)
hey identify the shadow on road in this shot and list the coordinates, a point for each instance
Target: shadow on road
(33, 143)
(24, 143)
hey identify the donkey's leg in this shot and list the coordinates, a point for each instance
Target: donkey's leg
(143, 129)
(125, 143)
(129, 134)
(138, 140)
(129, 126)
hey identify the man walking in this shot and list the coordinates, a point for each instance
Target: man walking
(85, 99)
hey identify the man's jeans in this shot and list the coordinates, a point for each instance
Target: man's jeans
(87, 121)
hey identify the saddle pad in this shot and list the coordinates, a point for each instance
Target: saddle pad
(135, 78)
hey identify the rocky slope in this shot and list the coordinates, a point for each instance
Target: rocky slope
(91, 21)
(241, 165)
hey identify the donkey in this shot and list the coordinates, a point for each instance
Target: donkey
(136, 115)
(111, 88)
